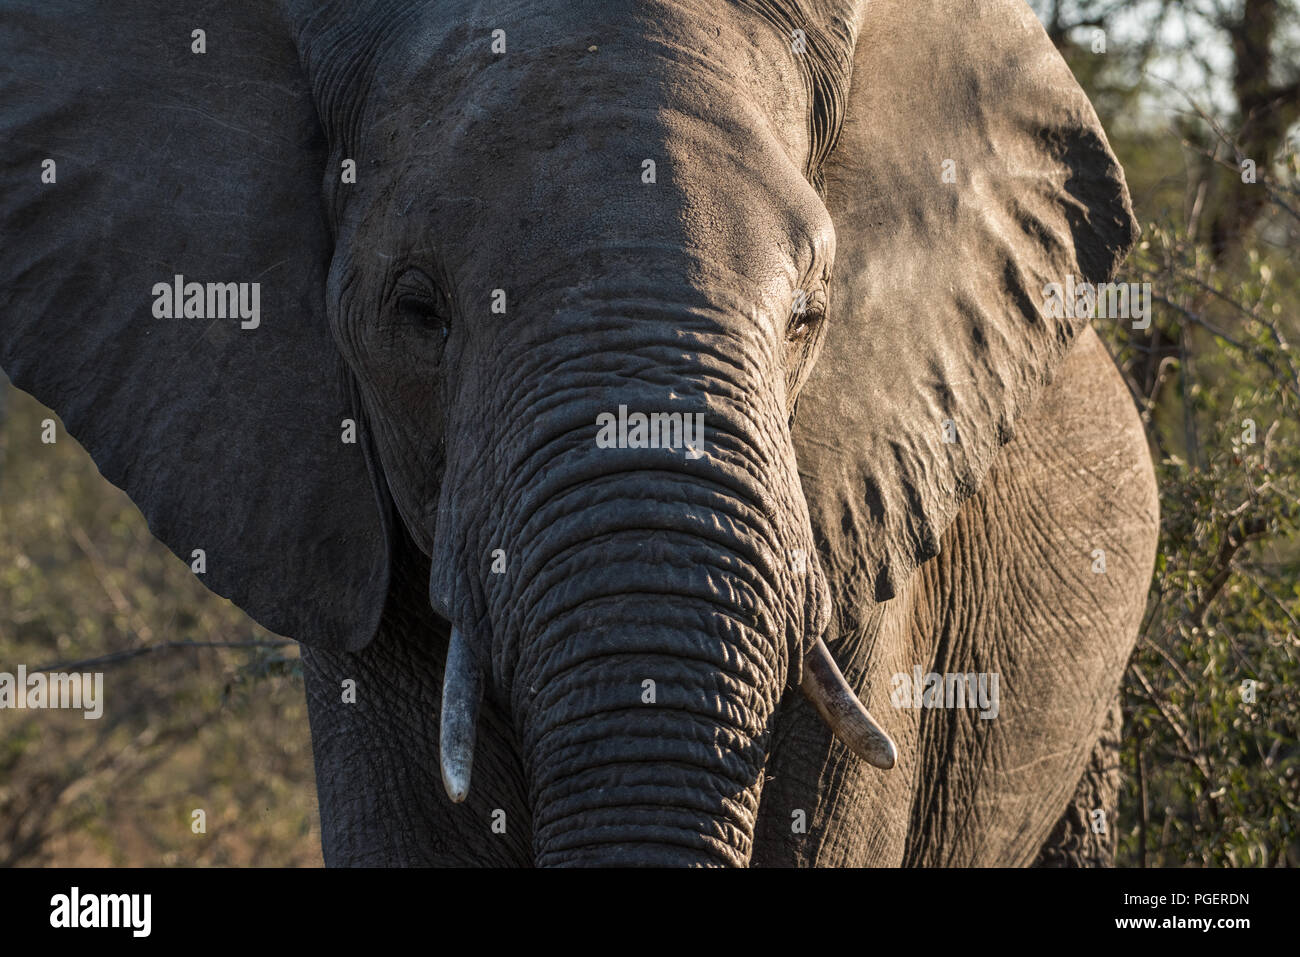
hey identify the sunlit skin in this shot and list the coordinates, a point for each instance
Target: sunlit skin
(634, 390)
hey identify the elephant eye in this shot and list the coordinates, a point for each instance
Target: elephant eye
(421, 311)
(806, 313)
(422, 304)
(801, 326)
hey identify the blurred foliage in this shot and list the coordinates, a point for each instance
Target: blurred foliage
(184, 726)
(1187, 92)
(1213, 777)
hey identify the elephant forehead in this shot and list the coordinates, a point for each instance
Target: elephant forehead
(648, 137)
(529, 73)
(646, 202)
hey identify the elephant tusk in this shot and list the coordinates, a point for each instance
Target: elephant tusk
(824, 685)
(462, 690)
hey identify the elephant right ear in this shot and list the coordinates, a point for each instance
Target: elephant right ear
(150, 141)
(970, 177)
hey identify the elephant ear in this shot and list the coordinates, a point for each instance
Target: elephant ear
(938, 338)
(132, 158)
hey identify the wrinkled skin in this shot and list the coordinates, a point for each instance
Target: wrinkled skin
(620, 324)
(828, 504)
(599, 539)
(964, 793)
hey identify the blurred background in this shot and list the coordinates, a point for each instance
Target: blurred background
(205, 709)
(1201, 101)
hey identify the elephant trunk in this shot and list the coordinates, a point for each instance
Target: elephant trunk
(636, 580)
(652, 660)
(651, 754)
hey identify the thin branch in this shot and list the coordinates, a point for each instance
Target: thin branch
(1281, 605)
(1198, 320)
(1236, 537)
(1142, 800)
(130, 653)
(1179, 731)
(99, 567)
(1177, 668)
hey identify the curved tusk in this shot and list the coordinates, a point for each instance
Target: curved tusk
(825, 687)
(462, 690)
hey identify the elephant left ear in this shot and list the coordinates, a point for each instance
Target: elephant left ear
(969, 174)
(162, 274)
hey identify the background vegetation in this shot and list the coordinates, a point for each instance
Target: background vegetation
(208, 711)
(1190, 91)
(205, 710)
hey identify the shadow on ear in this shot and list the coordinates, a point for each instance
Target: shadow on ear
(227, 432)
(938, 340)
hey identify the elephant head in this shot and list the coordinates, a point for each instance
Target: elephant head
(645, 316)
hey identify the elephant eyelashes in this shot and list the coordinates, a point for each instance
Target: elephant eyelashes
(801, 326)
(806, 314)
(420, 303)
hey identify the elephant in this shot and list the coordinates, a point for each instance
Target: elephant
(651, 417)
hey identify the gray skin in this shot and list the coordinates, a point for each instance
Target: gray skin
(917, 468)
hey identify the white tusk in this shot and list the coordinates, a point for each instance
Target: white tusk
(462, 690)
(824, 685)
